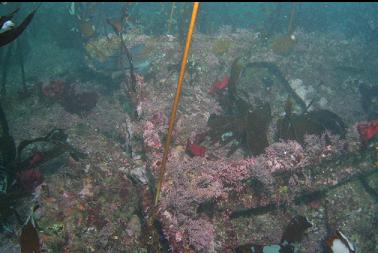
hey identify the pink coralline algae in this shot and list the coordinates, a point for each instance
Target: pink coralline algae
(233, 173)
(194, 182)
(282, 156)
(190, 182)
(201, 235)
(318, 148)
(198, 234)
(150, 136)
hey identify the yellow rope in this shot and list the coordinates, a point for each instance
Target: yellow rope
(176, 101)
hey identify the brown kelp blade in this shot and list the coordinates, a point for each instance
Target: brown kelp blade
(293, 233)
(116, 24)
(295, 230)
(5, 18)
(29, 240)
(9, 36)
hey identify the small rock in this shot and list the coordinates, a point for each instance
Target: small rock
(323, 102)
(123, 169)
(87, 189)
(139, 174)
(87, 167)
(134, 227)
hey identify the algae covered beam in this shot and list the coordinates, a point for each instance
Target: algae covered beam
(239, 67)
(271, 67)
(327, 176)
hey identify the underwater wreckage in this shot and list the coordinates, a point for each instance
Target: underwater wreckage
(211, 203)
(294, 174)
(206, 197)
(248, 112)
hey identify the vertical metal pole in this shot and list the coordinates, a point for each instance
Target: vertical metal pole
(176, 101)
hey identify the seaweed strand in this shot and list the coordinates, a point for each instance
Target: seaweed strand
(5, 70)
(130, 59)
(21, 58)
